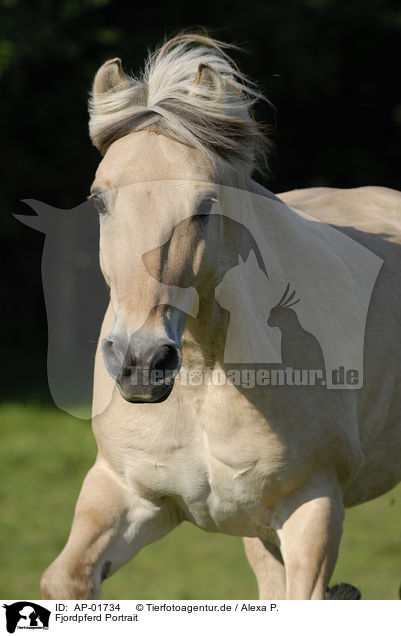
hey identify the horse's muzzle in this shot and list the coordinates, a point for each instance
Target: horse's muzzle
(143, 373)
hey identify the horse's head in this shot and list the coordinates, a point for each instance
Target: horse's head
(153, 243)
(155, 190)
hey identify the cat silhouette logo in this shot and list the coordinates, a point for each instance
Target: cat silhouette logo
(26, 615)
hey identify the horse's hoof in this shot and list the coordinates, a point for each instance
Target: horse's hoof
(343, 592)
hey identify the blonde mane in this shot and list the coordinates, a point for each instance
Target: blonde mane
(213, 116)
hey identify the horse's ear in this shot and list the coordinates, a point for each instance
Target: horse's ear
(211, 82)
(110, 76)
(212, 85)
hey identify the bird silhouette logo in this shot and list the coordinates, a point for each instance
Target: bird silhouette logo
(300, 349)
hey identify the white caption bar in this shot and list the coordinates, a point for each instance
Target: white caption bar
(178, 618)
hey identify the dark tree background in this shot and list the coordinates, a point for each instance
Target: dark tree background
(330, 67)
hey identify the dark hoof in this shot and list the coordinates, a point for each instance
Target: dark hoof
(343, 592)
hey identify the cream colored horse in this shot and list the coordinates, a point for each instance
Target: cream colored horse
(275, 466)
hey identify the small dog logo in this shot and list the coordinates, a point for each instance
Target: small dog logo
(26, 615)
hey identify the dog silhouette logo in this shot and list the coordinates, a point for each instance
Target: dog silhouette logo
(26, 615)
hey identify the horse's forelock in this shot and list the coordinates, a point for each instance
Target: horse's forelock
(167, 97)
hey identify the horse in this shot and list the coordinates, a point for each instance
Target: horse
(277, 465)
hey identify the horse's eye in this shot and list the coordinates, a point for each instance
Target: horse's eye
(204, 209)
(98, 203)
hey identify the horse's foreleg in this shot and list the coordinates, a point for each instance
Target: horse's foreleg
(310, 536)
(111, 524)
(267, 563)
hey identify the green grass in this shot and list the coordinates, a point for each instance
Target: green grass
(44, 456)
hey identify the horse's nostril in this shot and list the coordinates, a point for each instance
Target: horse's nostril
(114, 355)
(107, 344)
(142, 373)
(166, 359)
(126, 370)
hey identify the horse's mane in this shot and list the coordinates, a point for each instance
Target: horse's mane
(166, 96)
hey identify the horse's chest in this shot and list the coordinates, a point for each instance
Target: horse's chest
(227, 492)
(237, 498)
